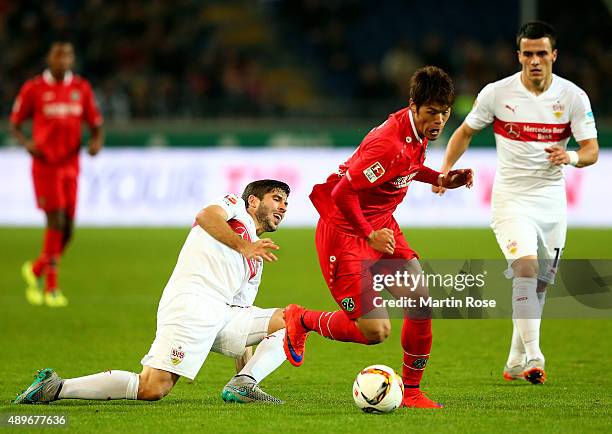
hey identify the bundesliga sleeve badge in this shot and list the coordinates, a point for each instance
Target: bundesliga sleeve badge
(374, 172)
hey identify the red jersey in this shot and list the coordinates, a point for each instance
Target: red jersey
(57, 109)
(381, 168)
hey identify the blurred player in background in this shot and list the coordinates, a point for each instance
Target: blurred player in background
(206, 305)
(356, 224)
(57, 101)
(533, 113)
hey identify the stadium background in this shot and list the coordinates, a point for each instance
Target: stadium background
(201, 97)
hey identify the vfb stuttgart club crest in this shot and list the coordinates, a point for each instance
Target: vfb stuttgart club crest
(348, 304)
(177, 355)
(558, 109)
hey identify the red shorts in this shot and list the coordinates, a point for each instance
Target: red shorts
(56, 188)
(346, 262)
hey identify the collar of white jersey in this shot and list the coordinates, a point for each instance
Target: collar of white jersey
(553, 84)
(49, 79)
(414, 130)
(252, 220)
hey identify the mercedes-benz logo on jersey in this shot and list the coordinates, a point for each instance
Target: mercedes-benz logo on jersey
(512, 130)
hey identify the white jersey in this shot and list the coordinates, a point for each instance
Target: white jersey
(207, 266)
(524, 124)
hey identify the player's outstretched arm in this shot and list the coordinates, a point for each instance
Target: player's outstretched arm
(346, 199)
(585, 156)
(213, 219)
(457, 178)
(457, 145)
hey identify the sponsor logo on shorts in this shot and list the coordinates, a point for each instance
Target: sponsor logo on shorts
(512, 247)
(177, 355)
(348, 304)
(419, 363)
(374, 172)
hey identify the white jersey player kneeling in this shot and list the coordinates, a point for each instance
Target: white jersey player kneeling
(534, 112)
(207, 305)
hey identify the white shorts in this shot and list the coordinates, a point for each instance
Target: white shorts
(532, 235)
(189, 326)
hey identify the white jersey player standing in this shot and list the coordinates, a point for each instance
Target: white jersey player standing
(207, 305)
(534, 112)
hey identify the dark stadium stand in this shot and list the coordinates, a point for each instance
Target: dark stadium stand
(305, 59)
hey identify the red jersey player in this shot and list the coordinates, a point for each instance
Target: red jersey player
(57, 101)
(357, 227)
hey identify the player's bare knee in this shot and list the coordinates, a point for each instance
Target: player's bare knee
(525, 267)
(56, 220)
(153, 388)
(277, 321)
(526, 272)
(377, 332)
(153, 391)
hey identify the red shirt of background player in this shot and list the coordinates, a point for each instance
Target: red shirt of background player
(57, 109)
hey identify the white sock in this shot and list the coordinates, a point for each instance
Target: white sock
(541, 300)
(527, 314)
(517, 349)
(104, 386)
(268, 356)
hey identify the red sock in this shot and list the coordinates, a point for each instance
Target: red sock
(416, 342)
(333, 325)
(51, 252)
(53, 239)
(40, 265)
(51, 283)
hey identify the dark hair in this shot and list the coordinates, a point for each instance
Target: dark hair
(431, 84)
(263, 186)
(536, 30)
(62, 39)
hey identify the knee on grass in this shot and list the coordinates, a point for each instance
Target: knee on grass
(150, 389)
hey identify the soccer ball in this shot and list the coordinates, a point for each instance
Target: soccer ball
(378, 389)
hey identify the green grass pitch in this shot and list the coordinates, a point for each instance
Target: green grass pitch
(114, 278)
